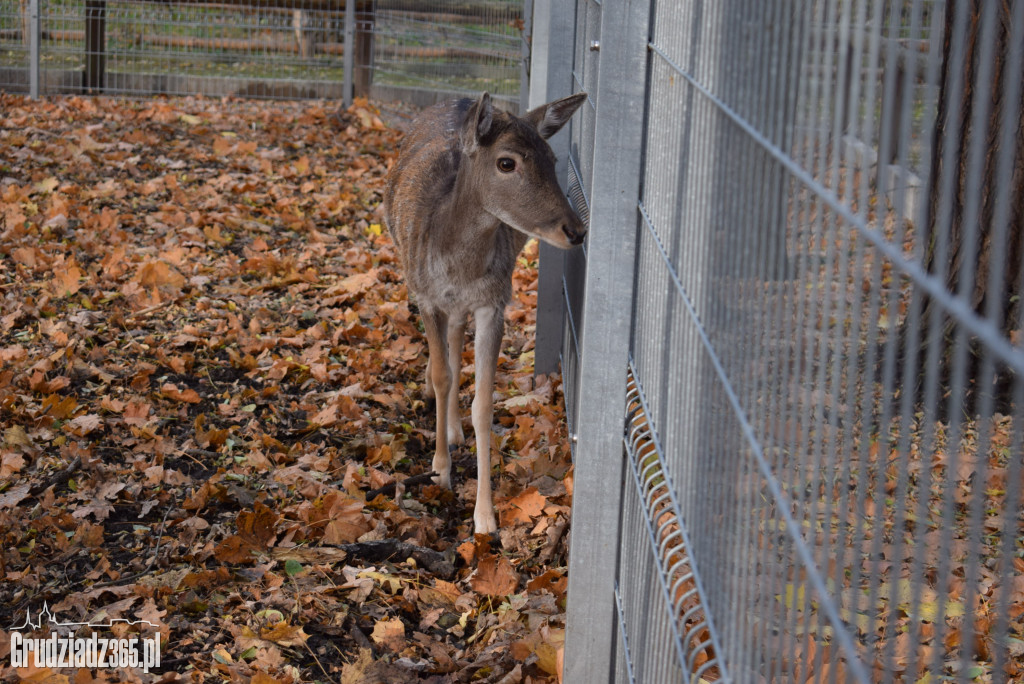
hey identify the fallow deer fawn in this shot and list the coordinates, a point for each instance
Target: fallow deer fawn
(471, 185)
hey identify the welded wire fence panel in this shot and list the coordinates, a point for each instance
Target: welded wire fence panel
(419, 52)
(428, 51)
(258, 49)
(14, 44)
(581, 169)
(825, 420)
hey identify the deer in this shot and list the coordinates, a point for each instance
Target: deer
(471, 185)
(305, 32)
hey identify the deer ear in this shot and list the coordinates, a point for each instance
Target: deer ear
(549, 118)
(478, 123)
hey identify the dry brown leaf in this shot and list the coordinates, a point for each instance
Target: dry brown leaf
(159, 274)
(494, 576)
(389, 633)
(10, 463)
(554, 580)
(284, 634)
(171, 391)
(356, 283)
(258, 525)
(40, 675)
(66, 281)
(83, 425)
(530, 503)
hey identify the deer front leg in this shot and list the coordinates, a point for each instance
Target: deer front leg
(456, 338)
(435, 323)
(490, 322)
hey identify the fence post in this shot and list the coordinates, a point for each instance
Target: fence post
(95, 45)
(34, 38)
(550, 79)
(604, 348)
(350, 40)
(362, 67)
(526, 34)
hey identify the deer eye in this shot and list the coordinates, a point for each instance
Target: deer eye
(506, 164)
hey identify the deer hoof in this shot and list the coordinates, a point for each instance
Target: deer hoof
(484, 522)
(443, 479)
(456, 436)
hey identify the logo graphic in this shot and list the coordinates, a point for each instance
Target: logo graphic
(63, 649)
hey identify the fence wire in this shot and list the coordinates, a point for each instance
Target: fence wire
(419, 52)
(824, 419)
(427, 51)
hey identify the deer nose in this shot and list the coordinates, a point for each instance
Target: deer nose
(575, 232)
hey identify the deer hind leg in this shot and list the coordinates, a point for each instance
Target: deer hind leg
(26, 23)
(435, 323)
(428, 381)
(490, 323)
(456, 338)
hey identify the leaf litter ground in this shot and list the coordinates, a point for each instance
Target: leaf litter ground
(212, 415)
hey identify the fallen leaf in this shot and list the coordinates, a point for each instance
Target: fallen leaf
(389, 633)
(284, 634)
(171, 391)
(66, 281)
(84, 424)
(494, 576)
(529, 504)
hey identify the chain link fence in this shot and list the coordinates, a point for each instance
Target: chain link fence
(792, 344)
(418, 52)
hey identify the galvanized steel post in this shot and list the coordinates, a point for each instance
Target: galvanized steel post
(33, 48)
(526, 38)
(350, 42)
(607, 310)
(550, 79)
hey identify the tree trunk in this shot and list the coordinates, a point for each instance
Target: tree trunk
(967, 253)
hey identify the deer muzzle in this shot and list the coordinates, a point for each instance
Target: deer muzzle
(574, 230)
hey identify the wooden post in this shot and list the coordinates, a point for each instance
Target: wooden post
(363, 77)
(95, 45)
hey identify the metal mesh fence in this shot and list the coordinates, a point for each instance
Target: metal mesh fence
(14, 45)
(281, 49)
(262, 49)
(823, 410)
(427, 51)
